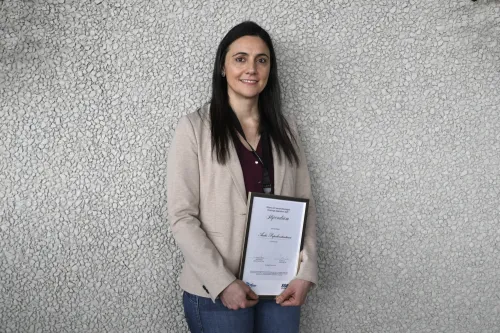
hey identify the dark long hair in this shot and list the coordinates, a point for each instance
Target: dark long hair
(269, 101)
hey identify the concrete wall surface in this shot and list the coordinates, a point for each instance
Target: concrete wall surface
(397, 104)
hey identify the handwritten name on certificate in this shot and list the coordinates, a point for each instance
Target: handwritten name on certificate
(273, 240)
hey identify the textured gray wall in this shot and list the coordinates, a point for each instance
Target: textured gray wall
(397, 103)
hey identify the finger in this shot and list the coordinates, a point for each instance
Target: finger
(249, 303)
(290, 302)
(229, 306)
(251, 294)
(284, 295)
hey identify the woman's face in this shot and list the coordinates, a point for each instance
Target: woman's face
(247, 66)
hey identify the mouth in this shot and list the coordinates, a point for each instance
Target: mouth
(249, 81)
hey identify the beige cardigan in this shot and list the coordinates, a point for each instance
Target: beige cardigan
(207, 206)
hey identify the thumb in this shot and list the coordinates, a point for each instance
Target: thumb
(284, 295)
(250, 293)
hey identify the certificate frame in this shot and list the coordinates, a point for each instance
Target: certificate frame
(294, 244)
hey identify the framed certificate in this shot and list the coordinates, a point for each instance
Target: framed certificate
(273, 241)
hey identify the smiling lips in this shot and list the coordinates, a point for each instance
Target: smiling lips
(249, 81)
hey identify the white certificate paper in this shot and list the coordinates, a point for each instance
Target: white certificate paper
(273, 241)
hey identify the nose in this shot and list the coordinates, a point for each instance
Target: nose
(251, 68)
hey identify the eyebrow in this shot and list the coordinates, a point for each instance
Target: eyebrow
(244, 53)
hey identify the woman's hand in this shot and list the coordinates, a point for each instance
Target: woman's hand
(238, 296)
(295, 294)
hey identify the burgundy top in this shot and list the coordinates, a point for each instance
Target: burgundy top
(252, 168)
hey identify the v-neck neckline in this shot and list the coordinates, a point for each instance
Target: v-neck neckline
(250, 151)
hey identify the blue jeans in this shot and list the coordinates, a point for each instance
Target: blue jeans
(205, 316)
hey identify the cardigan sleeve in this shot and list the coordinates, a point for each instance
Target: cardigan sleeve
(308, 269)
(183, 200)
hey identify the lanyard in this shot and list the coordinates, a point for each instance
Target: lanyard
(264, 160)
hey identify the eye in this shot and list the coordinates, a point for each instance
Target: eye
(240, 59)
(262, 60)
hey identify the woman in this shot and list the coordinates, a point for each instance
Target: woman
(212, 166)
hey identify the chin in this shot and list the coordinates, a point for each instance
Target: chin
(250, 94)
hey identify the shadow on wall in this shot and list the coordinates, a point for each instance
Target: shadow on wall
(484, 27)
(483, 3)
(486, 1)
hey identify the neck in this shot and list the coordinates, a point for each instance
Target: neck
(247, 110)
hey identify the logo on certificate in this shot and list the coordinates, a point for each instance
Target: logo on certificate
(284, 285)
(250, 284)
